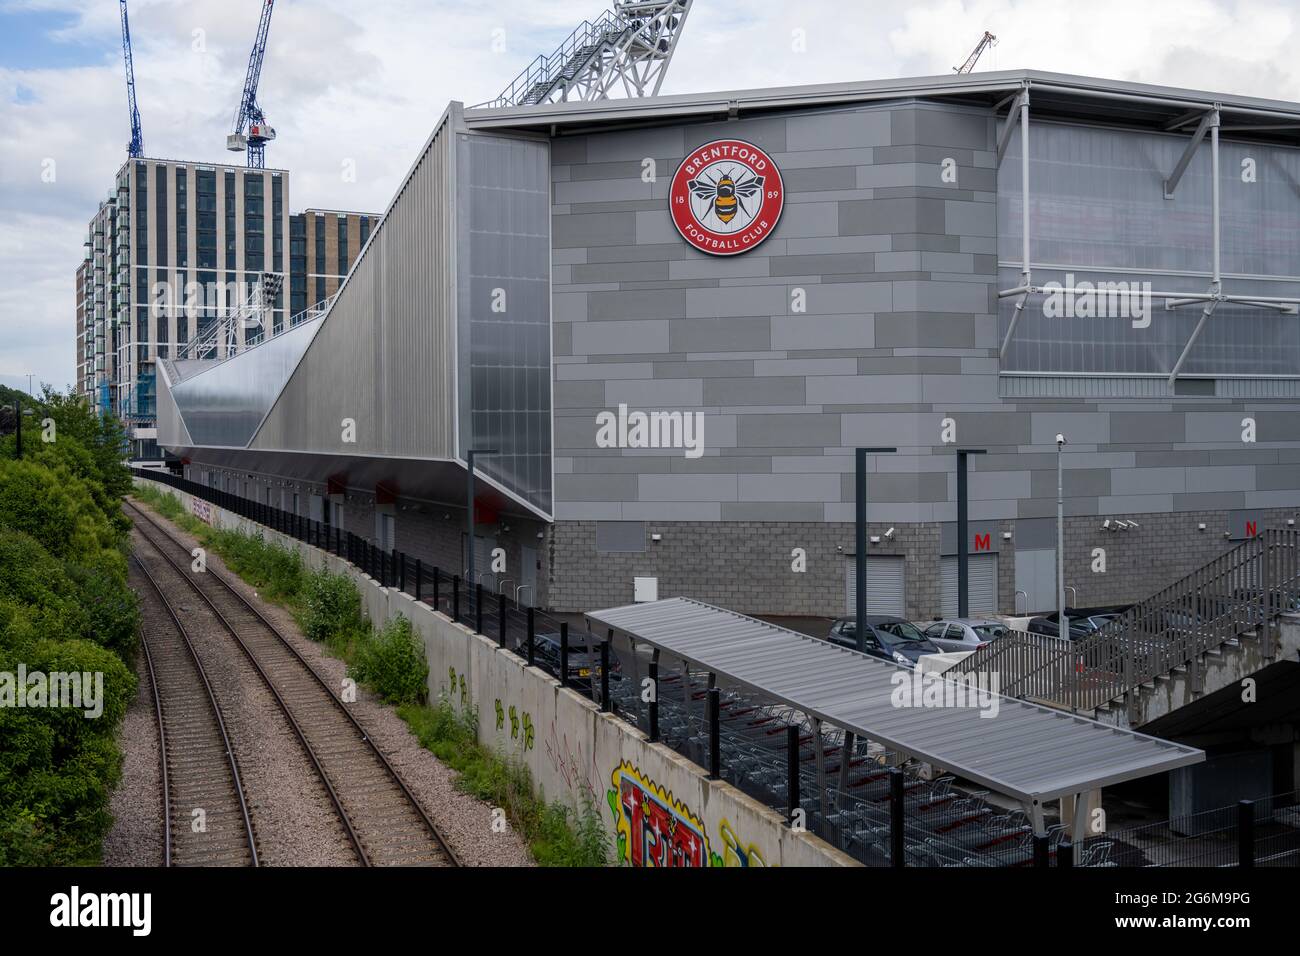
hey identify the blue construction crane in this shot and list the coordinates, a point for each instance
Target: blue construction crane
(135, 148)
(250, 114)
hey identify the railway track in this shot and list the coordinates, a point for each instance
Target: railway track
(383, 820)
(199, 770)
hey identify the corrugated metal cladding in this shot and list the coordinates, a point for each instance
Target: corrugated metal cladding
(384, 356)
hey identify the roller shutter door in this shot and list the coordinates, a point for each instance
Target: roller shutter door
(885, 586)
(982, 586)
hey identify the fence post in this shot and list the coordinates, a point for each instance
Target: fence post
(791, 772)
(418, 575)
(478, 608)
(1246, 834)
(532, 650)
(437, 587)
(401, 573)
(897, 841)
(715, 736)
(1065, 854)
(501, 620)
(564, 655)
(1042, 854)
(604, 677)
(455, 598)
(654, 697)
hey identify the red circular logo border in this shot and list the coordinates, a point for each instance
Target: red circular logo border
(678, 188)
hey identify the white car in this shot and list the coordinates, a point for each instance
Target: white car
(965, 634)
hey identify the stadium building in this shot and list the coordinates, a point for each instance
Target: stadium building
(664, 325)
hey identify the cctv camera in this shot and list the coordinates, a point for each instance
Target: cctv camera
(1134, 524)
(889, 535)
(1060, 439)
(1105, 525)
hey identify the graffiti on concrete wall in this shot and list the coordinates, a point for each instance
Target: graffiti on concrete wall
(573, 764)
(733, 852)
(656, 829)
(455, 690)
(521, 724)
(201, 510)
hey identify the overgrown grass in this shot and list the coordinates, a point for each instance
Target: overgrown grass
(556, 836)
(391, 663)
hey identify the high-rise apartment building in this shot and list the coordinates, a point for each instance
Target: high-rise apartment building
(176, 248)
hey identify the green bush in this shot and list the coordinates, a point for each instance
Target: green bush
(331, 605)
(57, 766)
(392, 662)
(59, 511)
(65, 607)
(275, 571)
(556, 835)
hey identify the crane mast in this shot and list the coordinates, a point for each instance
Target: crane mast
(986, 41)
(250, 114)
(135, 148)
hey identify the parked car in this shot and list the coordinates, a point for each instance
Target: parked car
(888, 638)
(964, 634)
(582, 665)
(1084, 621)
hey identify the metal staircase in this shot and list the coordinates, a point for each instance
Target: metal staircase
(630, 46)
(1239, 595)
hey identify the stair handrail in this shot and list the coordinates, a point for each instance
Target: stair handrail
(1151, 638)
(545, 70)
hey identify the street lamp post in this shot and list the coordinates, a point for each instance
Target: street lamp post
(860, 570)
(1063, 622)
(963, 531)
(469, 506)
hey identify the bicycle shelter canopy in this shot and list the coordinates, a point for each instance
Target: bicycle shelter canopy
(1026, 751)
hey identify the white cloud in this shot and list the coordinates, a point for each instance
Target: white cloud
(366, 82)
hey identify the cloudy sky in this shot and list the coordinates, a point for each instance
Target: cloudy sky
(363, 83)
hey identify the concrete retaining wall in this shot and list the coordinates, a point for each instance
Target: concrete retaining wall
(657, 807)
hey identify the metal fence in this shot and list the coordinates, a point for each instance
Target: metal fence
(869, 802)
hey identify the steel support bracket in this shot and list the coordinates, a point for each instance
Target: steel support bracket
(1210, 119)
(1013, 120)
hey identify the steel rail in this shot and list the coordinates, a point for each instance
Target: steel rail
(311, 671)
(162, 734)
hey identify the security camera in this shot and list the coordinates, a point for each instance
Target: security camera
(889, 535)
(1134, 524)
(1105, 525)
(1060, 439)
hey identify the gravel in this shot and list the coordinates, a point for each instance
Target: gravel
(136, 837)
(276, 788)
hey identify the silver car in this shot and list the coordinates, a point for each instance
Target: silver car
(964, 634)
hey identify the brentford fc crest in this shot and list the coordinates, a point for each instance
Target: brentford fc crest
(726, 197)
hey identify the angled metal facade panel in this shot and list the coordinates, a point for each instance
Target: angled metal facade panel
(1025, 751)
(222, 405)
(384, 357)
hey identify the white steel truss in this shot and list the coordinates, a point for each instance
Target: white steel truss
(627, 48)
(240, 327)
(1208, 121)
